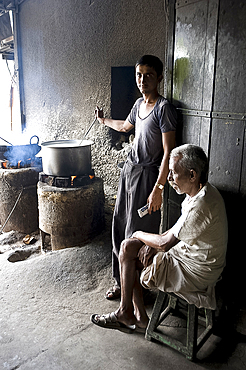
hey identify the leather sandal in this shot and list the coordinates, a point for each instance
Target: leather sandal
(110, 321)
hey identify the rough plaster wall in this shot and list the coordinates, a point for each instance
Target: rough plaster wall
(68, 50)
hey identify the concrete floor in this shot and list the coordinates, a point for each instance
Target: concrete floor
(45, 305)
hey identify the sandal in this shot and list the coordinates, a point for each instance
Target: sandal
(110, 321)
(113, 293)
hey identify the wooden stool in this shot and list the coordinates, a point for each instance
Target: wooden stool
(193, 343)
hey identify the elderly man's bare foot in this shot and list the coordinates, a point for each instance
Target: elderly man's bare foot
(128, 318)
(142, 324)
(125, 317)
(142, 319)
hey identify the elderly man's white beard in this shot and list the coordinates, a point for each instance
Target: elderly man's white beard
(176, 188)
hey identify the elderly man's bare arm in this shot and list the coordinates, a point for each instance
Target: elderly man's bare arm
(162, 242)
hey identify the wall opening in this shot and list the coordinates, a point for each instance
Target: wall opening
(124, 93)
(10, 121)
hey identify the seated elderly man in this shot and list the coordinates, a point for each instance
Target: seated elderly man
(187, 259)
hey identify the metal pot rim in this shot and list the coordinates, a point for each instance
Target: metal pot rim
(59, 144)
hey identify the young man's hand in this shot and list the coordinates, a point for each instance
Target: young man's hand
(99, 113)
(155, 200)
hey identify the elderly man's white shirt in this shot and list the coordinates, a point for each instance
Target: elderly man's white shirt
(191, 268)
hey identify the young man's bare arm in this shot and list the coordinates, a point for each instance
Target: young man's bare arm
(168, 142)
(118, 125)
(155, 197)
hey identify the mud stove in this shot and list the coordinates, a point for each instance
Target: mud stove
(18, 199)
(71, 209)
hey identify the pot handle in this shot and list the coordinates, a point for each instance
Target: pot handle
(33, 137)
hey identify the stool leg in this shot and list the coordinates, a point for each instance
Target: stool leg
(209, 317)
(172, 303)
(157, 309)
(192, 323)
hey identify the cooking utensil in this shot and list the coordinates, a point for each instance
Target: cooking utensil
(66, 157)
(5, 141)
(88, 131)
(15, 153)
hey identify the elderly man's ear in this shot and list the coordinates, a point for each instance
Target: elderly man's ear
(193, 175)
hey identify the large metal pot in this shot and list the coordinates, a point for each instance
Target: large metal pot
(66, 157)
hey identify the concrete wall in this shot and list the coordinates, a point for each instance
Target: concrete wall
(68, 50)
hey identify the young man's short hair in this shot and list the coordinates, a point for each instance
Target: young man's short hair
(151, 61)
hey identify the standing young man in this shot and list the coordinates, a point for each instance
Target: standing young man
(145, 171)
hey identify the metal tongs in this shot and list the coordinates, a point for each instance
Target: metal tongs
(100, 111)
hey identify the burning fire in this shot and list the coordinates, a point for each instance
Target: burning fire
(72, 179)
(6, 164)
(79, 179)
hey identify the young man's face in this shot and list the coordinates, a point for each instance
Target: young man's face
(146, 79)
(178, 177)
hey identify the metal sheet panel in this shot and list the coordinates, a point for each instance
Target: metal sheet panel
(243, 170)
(226, 154)
(193, 75)
(205, 134)
(194, 53)
(209, 79)
(210, 54)
(191, 130)
(188, 61)
(196, 129)
(230, 92)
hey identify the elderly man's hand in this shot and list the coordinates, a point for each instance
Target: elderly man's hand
(146, 255)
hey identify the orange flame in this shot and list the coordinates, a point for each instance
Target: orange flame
(72, 179)
(91, 176)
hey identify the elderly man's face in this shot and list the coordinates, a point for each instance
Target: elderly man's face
(178, 177)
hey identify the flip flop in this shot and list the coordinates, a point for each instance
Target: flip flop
(110, 321)
(114, 292)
